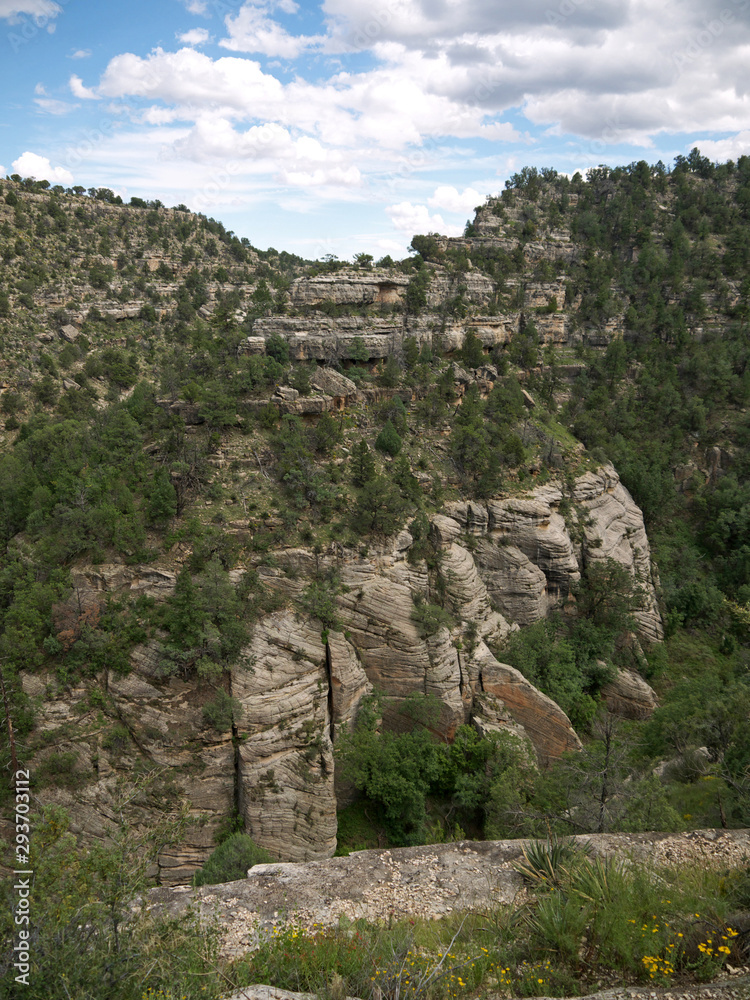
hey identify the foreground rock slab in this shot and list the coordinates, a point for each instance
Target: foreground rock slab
(730, 989)
(425, 882)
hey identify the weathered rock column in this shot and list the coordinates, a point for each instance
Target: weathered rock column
(286, 791)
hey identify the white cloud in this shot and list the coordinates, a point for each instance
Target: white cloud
(52, 106)
(720, 150)
(81, 54)
(40, 10)
(443, 87)
(196, 36)
(78, 90)
(425, 23)
(411, 219)
(269, 150)
(253, 31)
(451, 200)
(610, 71)
(322, 177)
(160, 116)
(190, 77)
(39, 167)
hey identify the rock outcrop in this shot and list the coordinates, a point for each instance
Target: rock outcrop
(285, 767)
(298, 685)
(542, 720)
(115, 577)
(531, 550)
(417, 882)
(349, 682)
(378, 286)
(517, 587)
(629, 696)
(150, 752)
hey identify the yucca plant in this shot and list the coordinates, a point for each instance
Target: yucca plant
(593, 880)
(547, 864)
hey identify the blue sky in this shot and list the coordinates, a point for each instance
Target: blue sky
(349, 125)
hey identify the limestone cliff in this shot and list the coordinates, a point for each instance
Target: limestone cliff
(499, 564)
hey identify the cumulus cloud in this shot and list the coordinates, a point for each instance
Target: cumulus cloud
(81, 54)
(639, 67)
(425, 23)
(411, 219)
(269, 149)
(190, 77)
(252, 30)
(78, 90)
(451, 200)
(382, 108)
(444, 84)
(41, 10)
(731, 148)
(39, 167)
(196, 36)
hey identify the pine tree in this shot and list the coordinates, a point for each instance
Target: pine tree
(388, 440)
(362, 465)
(162, 503)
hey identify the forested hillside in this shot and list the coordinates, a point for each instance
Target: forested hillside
(338, 555)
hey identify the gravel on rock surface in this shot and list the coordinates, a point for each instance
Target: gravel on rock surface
(423, 882)
(734, 989)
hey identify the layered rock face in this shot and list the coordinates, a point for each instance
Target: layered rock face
(350, 287)
(530, 555)
(297, 686)
(150, 753)
(285, 768)
(322, 338)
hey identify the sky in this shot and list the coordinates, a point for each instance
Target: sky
(348, 126)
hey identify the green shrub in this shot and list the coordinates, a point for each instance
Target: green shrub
(395, 411)
(222, 711)
(362, 464)
(472, 351)
(380, 508)
(388, 441)
(89, 940)
(278, 349)
(231, 860)
(319, 601)
(430, 617)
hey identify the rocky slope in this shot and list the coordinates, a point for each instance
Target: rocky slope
(85, 275)
(501, 563)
